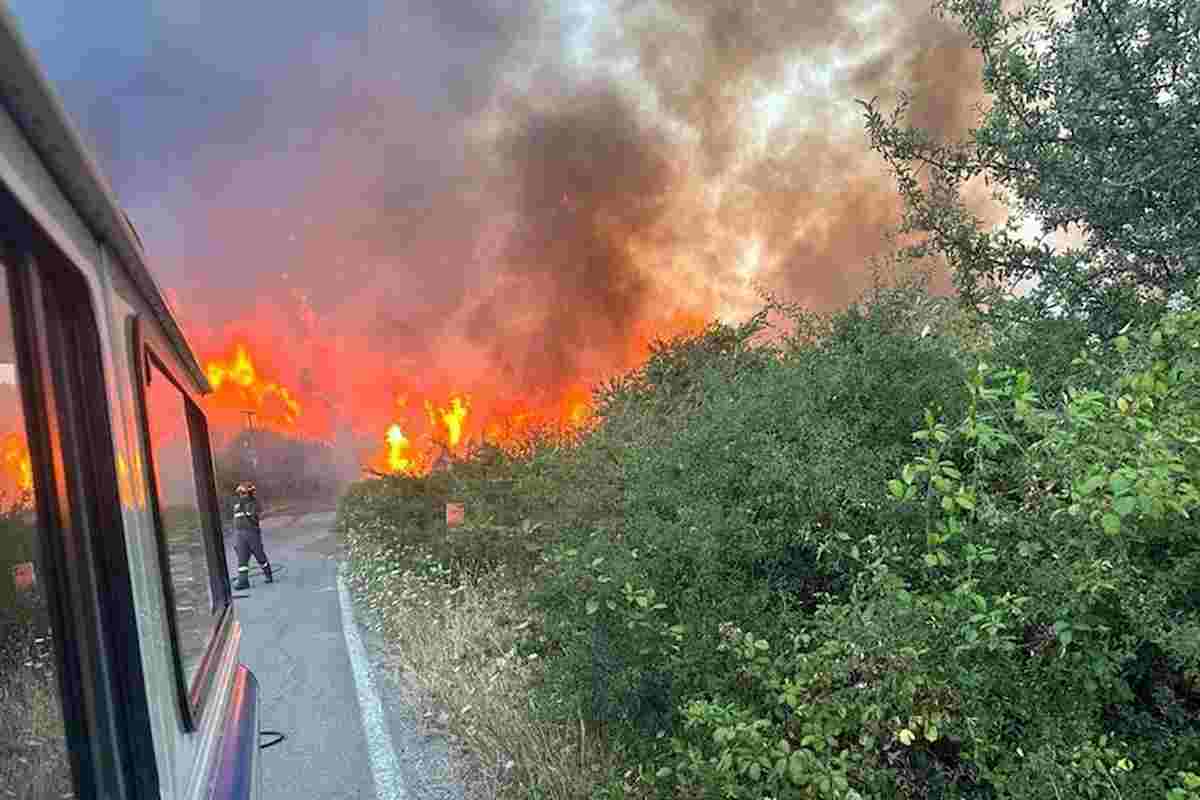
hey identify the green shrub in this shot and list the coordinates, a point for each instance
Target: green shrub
(743, 502)
(861, 564)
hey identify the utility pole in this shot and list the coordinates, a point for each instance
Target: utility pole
(249, 442)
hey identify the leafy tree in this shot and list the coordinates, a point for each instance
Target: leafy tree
(1094, 124)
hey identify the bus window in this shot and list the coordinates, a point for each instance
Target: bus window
(182, 524)
(33, 748)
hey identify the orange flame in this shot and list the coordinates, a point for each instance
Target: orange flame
(17, 465)
(129, 481)
(576, 407)
(124, 481)
(398, 450)
(236, 384)
(450, 421)
(440, 422)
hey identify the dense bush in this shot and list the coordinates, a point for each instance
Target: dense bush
(903, 551)
(867, 565)
(734, 503)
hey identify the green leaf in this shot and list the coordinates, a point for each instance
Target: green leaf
(906, 736)
(592, 607)
(931, 732)
(1119, 484)
(948, 504)
(896, 488)
(1125, 505)
(1111, 524)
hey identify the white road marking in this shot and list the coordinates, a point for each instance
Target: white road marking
(389, 785)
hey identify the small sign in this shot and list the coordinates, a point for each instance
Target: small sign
(24, 577)
(455, 512)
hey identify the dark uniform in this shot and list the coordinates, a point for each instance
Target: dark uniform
(248, 538)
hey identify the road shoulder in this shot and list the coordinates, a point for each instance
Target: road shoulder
(420, 723)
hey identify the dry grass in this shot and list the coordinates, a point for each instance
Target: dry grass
(459, 646)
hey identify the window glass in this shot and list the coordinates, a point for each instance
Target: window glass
(33, 751)
(183, 531)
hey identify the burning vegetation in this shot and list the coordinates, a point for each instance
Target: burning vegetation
(237, 385)
(489, 247)
(419, 432)
(17, 468)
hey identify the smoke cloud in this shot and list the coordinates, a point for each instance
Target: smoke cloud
(419, 197)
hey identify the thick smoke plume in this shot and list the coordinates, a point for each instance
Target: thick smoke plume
(506, 199)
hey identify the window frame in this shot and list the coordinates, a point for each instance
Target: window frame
(193, 699)
(81, 538)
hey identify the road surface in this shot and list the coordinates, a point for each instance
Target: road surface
(321, 682)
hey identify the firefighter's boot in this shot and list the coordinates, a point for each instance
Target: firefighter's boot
(243, 579)
(267, 573)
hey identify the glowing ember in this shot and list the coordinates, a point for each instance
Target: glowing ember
(237, 385)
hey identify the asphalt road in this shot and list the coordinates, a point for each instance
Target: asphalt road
(349, 735)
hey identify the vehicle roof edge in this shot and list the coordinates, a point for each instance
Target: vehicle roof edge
(27, 94)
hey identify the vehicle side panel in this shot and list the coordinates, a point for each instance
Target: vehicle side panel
(194, 754)
(185, 761)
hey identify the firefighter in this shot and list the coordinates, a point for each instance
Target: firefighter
(249, 536)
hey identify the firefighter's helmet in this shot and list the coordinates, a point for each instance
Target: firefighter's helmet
(245, 488)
